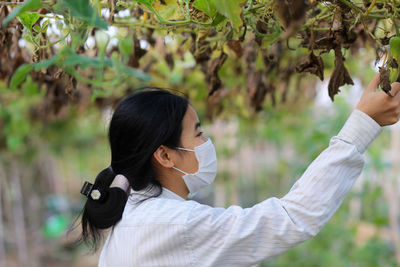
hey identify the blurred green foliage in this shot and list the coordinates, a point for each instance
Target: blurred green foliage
(78, 141)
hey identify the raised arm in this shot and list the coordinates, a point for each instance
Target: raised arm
(244, 237)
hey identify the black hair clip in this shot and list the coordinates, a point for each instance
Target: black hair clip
(87, 190)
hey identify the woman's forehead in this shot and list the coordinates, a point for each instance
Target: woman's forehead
(190, 119)
(191, 116)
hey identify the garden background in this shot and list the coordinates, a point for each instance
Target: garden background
(271, 81)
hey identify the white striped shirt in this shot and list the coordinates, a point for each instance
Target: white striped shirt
(171, 231)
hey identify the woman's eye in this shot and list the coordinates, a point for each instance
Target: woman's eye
(200, 133)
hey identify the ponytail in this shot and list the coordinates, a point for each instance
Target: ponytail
(140, 124)
(98, 215)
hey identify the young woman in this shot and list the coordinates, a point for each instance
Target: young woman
(159, 155)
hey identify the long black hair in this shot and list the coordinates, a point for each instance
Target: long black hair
(142, 122)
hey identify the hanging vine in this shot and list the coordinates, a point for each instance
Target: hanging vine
(270, 41)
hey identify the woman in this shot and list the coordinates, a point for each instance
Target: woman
(159, 155)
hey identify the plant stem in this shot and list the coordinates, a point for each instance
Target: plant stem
(369, 32)
(351, 5)
(370, 8)
(357, 9)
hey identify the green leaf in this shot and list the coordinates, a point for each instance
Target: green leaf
(26, 6)
(20, 75)
(84, 11)
(393, 74)
(218, 19)
(125, 46)
(30, 89)
(66, 59)
(231, 10)
(147, 3)
(207, 6)
(136, 73)
(124, 4)
(85, 62)
(116, 62)
(170, 12)
(45, 25)
(28, 19)
(37, 28)
(394, 44)
(45, 63)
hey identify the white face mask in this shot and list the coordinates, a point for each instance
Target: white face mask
(205, 175)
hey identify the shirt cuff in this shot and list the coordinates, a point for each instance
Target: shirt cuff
(360, 129)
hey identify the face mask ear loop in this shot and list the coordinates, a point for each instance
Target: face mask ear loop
(179, 170)
(186, 149)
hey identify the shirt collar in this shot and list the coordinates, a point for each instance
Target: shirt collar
(149, 191)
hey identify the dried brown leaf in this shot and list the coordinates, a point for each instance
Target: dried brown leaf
(340, 75)
(291, 14)
(313, 64)
(236, 46)
(258, 88)
(384, 82)
(214, 82)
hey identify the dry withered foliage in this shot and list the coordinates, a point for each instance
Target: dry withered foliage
(256, 80)
(340, 76)
(138, 52)
(257, 83)
(11, 56)
(214, 103)
(202, 52)
(236, 47)
(291, 14)
(384, 81)
(287, 72)
(362, 36)
(212, 77)
(61, 91)
(313, 64)
(273, 57)
(200, 47)
(258, 88)
(393, 64)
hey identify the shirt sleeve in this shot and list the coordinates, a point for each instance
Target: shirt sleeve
(237, 236)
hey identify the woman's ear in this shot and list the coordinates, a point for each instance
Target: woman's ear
(163, 156)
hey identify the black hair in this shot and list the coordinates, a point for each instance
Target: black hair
(143, 121)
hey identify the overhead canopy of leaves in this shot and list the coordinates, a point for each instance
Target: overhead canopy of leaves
(261, 44)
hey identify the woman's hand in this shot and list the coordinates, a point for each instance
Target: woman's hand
(384, 109)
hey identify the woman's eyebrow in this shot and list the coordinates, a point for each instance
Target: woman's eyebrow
(197, 125)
